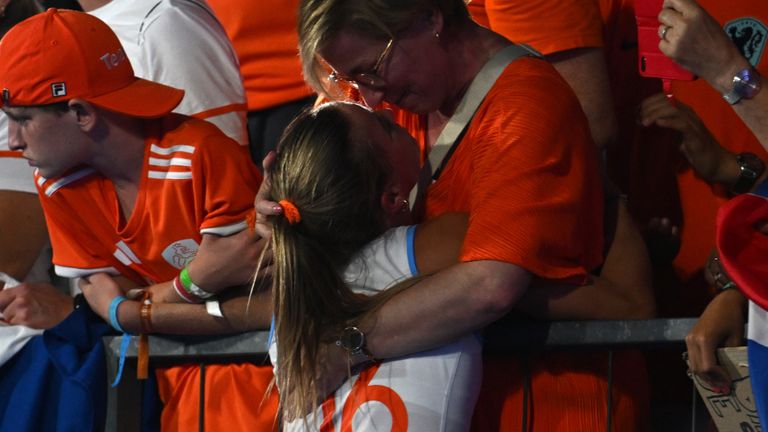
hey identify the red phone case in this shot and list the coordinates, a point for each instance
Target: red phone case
(652, 62)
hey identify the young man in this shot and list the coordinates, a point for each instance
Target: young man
(131, 194)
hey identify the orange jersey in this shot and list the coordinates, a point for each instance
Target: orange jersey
(264, 35)
(547, 26)
(194, 181)
(526, 172)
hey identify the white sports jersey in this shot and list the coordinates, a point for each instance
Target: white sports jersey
(15, 172)
(181, 43)
(431, 391)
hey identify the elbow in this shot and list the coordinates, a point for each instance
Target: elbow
(496, 295)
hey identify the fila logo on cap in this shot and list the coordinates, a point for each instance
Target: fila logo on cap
(59, 89)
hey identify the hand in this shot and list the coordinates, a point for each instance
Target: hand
(263, 203)
(99, 290)
(709, 159)
(36, 305)
(721, 324)
(333, 370)
(698, 43)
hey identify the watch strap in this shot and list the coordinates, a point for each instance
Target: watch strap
(745, 85)
(360, 359)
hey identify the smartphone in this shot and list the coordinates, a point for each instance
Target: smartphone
(652, 62)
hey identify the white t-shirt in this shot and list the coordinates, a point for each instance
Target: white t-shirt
(434, 390)
(181, 43)
(15, 172)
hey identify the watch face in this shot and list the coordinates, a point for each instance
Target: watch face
(352, 339)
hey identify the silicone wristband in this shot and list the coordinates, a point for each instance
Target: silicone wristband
(184, 294)
(113, 321)
(191, 287)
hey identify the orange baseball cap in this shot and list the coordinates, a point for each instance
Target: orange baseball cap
(59, 55)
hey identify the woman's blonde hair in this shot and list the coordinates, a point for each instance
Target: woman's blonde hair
(321, 21)
(335, 182)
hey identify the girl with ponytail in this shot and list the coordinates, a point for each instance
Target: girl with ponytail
(332, 267)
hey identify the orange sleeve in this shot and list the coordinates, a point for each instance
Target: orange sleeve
(548, 26)
(228, 186)
(527, 174)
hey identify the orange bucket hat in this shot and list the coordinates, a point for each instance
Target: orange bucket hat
(59, 55)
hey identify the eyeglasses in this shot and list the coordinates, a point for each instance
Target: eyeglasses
(372, 78)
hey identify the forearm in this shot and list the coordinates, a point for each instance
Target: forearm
(184, 318)
(623, 290)
(754, 112)
(223, 262)
(444, 307)
(600, 300)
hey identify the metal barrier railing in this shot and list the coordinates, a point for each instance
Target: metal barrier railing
(506, 337)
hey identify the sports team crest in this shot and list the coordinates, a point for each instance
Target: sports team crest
(749, 35)
(180, 253)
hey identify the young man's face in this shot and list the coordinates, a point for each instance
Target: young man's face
(46, 138)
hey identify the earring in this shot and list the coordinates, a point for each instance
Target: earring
(405, 207)
(437, 35)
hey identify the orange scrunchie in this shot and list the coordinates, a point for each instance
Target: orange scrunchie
(290, 212)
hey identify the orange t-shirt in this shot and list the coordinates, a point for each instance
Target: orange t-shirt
(195, 180)
(747, 24)
(264, 36)
(548, 27)
(526, 172)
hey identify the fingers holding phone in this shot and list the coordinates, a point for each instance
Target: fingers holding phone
(651, 34)
(694, 40)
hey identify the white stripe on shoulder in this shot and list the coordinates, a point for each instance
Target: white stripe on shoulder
(226, 230)
(165, 151)
(177, 161)
(164, 175)
(60, 183)
(73, 272)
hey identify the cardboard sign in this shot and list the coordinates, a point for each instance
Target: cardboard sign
(734, 412)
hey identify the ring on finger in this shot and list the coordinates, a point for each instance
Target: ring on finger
(663, 32)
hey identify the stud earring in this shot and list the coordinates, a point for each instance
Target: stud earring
(437, 35)
(405, 207)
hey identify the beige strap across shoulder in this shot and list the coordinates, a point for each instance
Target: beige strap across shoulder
(475, 94)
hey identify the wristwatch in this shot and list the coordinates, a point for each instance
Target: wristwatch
(746, 84)
(752, 167)
(352, 339)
